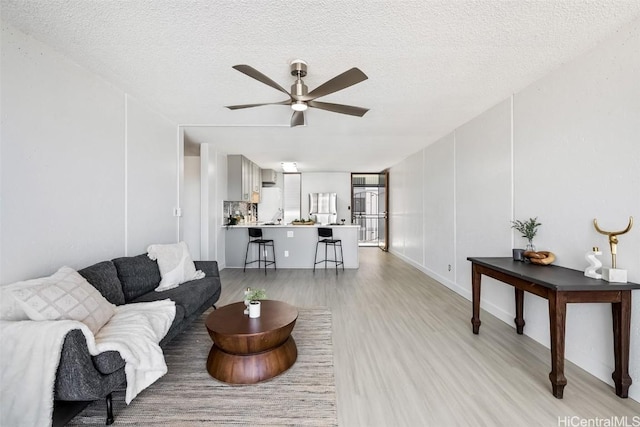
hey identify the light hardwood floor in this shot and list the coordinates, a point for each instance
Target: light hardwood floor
(405, 355)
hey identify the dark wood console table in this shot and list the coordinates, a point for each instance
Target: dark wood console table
(560, 286)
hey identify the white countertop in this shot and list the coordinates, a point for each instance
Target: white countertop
(262, 224)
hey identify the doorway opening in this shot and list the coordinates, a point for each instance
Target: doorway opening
(369, 207)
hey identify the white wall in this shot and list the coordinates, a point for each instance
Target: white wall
(66, 142)
(191, 206)
(213, 185)
(407, 219)
(221, 196)
(398, 196)
(564, 149)
(151, 177)
(483, 197)
(438, 200)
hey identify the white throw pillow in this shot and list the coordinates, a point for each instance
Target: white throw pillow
(65, 295)
(9, 307)
(175, 264)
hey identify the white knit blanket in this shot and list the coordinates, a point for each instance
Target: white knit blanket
(30, 353)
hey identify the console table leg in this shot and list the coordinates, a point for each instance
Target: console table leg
(621, 335)
(475, 284)
(519, 320)
(557, 322)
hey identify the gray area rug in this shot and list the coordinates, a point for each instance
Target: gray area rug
(302, 396)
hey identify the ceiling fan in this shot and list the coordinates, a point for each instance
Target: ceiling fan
(300, 98)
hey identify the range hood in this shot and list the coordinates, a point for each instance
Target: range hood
(269, 176)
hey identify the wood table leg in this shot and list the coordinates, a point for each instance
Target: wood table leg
(519, 320)
(557, 322)
(621, 335)
(475, 285)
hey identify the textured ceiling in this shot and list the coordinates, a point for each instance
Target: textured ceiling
(432, 65)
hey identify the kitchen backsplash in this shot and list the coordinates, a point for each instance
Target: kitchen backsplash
(242, 211)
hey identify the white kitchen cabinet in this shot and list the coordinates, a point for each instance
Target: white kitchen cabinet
(244, 179)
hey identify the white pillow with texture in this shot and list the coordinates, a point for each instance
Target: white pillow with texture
(9, 307)
(175, 264)
(65, 295)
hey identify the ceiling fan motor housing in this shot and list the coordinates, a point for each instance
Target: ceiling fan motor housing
(298, 68)
(298, 89)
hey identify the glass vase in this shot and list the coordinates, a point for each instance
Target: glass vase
(530, 246)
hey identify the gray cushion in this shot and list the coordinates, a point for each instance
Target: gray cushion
(104, 277)
(190, 295)
(209, 268)
(108, 362)
(138, 275)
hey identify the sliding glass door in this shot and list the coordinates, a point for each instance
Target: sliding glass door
(369, 208)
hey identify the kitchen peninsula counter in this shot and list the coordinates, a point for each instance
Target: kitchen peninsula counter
(295, 245)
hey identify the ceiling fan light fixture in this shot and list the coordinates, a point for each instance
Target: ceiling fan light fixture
(299, 106)
(299, 98)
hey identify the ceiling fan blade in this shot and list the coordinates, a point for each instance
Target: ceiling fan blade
(297, 119)
(238, 107)
(339, 82)
(252, 72)
(339, 108)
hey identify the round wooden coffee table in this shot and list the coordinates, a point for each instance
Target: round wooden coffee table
(246, 350)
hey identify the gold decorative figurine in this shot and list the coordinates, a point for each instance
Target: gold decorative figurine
(614, 274)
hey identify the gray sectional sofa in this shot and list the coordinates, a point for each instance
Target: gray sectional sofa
(82, 377)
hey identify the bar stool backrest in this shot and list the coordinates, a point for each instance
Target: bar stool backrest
(325, 232)
(255, 233)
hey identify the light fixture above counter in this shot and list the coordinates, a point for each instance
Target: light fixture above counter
(289, 167)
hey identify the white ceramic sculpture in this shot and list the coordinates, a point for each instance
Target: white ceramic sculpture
(594, 264)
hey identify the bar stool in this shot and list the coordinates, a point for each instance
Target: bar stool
(255, 238)
(325, 236)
